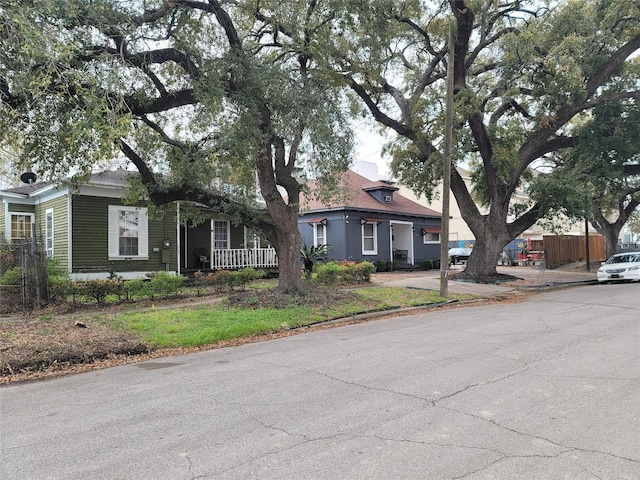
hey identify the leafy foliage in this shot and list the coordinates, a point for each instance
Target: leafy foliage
(335, 273)
(314, 254)
(523, 72)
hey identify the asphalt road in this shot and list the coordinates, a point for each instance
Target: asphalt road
(546, 389)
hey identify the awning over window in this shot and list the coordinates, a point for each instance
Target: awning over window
(431, 230)
(364, 220)
(312, 221)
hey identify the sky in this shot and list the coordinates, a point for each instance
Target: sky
(369, 145)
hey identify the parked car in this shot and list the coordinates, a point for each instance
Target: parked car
(459, 255)
(620, 267)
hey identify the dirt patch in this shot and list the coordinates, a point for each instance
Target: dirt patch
(272, 299)
(35, 345)
(497, 278)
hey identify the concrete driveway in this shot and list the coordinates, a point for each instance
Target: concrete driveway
(545, 389)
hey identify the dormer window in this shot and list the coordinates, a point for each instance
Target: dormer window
(382, 193)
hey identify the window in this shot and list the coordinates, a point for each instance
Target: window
(220, 235)
(369, 238)
(431, 237)
(21, 226)
(128, 232)
(49, 232)
(319, 234)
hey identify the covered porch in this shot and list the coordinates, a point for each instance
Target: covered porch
(216, 244)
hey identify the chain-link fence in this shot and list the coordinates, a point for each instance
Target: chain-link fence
(23, 275)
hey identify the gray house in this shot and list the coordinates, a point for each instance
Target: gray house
(373, 222)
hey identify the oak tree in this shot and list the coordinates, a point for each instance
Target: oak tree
(198, 95)
(523, 71)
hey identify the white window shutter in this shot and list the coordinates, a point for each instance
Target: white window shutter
(143, 233)
(114, 249)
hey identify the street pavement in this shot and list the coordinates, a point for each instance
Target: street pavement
(547, 388)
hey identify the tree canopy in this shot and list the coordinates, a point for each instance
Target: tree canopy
(187, 91)
(598, 167)
(204, 90)
(523, 72)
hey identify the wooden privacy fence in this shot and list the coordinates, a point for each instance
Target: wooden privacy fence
(566, 249)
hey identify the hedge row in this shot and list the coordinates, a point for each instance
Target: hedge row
(160, 284)
(344, 272)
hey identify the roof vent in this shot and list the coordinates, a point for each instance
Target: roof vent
(388, 198)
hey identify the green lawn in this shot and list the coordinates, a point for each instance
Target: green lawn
(211, 323)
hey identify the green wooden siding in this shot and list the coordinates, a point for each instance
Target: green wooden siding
(90, 243)
(237, 236)
(21, 208)
(198, 240)
(60, 227)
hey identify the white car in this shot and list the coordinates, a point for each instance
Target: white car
(620, 267)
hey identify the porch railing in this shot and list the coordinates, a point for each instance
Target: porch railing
(243, 258)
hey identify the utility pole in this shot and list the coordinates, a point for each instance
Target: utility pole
(586, 246)
(446, 181)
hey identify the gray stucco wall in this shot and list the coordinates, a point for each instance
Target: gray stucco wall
(345, 234)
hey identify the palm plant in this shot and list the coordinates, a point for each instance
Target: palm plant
(313, 255)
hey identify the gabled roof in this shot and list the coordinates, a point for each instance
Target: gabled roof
(112, 178)
(359, 198)
(27, 190)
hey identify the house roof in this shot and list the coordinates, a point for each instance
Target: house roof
(112, 178)
(360, 198)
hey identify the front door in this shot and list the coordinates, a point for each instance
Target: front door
(402, 242)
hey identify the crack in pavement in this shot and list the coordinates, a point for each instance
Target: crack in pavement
(538, 437)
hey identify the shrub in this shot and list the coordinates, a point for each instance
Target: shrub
(329, 273)
(334, 273)
(163, 283)
(314, 255)
(362, 271)
(13, 276)
(224, 280)
(248, 275)
(381, 265)
(99, 289)
(427, 264)
(137, 288)
(59, 288)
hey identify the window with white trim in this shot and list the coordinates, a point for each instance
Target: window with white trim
(48, 227)
(319, 234)
(220, 235)
(431, 237)
(128, 233)
(21, 226)
(370, 238)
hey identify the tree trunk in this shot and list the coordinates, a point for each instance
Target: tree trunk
(610, 234)
(286, 236)
(492, 232)
(287, 244)
(611, 230)
(483, 262)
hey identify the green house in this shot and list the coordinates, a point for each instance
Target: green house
(93, 233)
(90, 231)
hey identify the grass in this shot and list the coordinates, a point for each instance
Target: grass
(208, 324)
(54, 344)
(204, 325)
